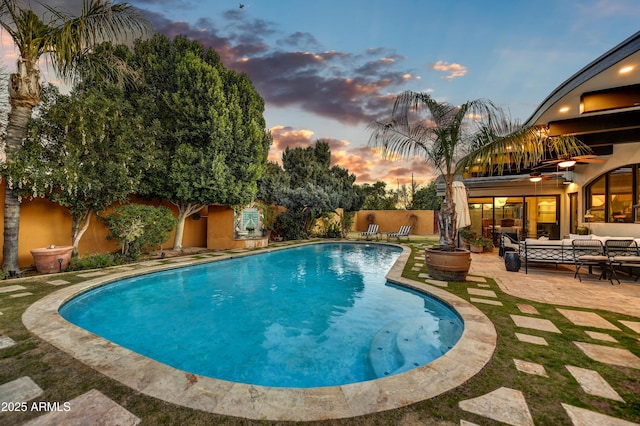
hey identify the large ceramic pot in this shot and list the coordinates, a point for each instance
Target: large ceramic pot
(50, 260)
(448, 265)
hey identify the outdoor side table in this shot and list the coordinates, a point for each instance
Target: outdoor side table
(512, 261)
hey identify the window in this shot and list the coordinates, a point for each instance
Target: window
(610, 198)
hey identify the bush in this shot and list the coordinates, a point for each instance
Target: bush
(138, 227)
(95, 261)
(290, 225)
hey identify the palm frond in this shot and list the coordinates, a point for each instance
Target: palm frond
(100, 21)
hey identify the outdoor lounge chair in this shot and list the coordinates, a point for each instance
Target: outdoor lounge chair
(591, 253)
(403, 232)
(372, 231)
(623, 254)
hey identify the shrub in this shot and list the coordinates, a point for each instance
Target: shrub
(138, 227)
(95, 261)
(290, 225)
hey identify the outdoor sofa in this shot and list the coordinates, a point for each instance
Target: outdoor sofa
(542, 250)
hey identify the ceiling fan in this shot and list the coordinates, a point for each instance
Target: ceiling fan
(538, 176)
(567, 161)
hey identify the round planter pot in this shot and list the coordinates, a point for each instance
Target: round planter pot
(50, 260)
(448, 265)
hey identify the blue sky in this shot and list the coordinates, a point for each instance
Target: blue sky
(326, 68)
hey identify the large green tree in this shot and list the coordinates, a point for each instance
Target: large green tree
(308, 186)
(213, 142)
(85, 151)
(68, 44)
(426, 198)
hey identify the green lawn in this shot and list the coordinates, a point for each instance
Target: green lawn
(63, 378)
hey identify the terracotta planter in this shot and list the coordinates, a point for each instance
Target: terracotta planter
(48, 261)
(448, 265)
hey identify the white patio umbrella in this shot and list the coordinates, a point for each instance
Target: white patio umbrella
(463, 219)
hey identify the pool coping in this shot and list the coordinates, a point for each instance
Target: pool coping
(474, 349)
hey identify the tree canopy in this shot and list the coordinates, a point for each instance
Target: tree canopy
(210, 127)
(308, 186)
(85, 151)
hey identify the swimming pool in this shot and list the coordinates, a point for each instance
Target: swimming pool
(155, 379)
(312, 316)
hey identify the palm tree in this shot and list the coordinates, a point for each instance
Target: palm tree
(454, 138)
(68, 43)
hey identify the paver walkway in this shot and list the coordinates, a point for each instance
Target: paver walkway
(558, 288)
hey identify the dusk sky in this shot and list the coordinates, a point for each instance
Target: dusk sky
(327, 68)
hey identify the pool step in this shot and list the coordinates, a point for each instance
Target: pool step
(403, 345)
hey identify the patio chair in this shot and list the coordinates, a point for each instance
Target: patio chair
(623, 254)
(592, 253)
(370, 232)
(508, 242)
(403, 232)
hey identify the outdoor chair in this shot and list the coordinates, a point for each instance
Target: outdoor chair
(508, 242)
(403, 232)
(370, 232)
(592, 253)
(623, 254)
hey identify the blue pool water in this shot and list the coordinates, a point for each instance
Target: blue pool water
(310, 316)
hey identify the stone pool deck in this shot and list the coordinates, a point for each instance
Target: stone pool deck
(546, 284)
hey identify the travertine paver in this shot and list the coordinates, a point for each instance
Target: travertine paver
(634, 325)
(58, 282)
(503, 404)
(11, 288)
(93, 274)
(600, 336)
(536, 340)
(535, 323)
(16, 295)
(587, 319)
(151, 263)
(437, 283)
(416, 268)
(19, 390)
(527, 309)
(91, 408)
(423, 275)
(609, 355)
(473, 278)
(530, 367)
(181, 259)
(484, 285)
(466, 423)
(486, 301)
(481, 292)
(592, 383)
(6, 342)
(419, 265)
(583, 417)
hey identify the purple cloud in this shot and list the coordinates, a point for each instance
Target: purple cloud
(350, 88)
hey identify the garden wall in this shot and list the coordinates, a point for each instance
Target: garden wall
(43, 223)
(422, 222)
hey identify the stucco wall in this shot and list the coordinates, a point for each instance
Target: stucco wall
(421, 221)
(43, 223)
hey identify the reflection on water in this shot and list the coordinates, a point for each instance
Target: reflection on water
(300, 317)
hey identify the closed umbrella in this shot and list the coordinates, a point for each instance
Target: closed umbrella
(463, 219)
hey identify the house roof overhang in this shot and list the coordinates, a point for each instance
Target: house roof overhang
(599, 103)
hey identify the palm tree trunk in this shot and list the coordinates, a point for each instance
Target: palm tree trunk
(24, 95)
(447, 218)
